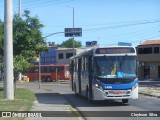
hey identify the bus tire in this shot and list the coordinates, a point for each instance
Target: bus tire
(125, 100)
(43, 79)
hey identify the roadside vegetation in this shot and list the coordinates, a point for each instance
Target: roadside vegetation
(23, 101)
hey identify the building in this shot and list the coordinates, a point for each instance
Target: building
(149, 59)
(50, 56)
(63, 54)
(57, 55)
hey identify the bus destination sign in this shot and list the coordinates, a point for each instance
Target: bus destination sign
(114, 50)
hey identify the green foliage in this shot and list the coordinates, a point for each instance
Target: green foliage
(20, 63)
(70, 43)
(27, 40)
(23, 101)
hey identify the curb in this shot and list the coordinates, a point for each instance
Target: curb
(73, 109)
(147, 94)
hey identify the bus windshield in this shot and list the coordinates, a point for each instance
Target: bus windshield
(115, 66)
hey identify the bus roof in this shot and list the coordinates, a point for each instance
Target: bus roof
(92, 51)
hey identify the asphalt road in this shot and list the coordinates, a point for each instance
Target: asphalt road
(98, 110)
(95, 111)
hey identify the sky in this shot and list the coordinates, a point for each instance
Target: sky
(105, 21)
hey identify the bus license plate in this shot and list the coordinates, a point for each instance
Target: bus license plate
(117, 92)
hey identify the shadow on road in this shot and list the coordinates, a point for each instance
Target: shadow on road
(82, 102)
(50, 98)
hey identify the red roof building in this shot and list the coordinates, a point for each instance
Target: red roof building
(151, 42)
(148, 54)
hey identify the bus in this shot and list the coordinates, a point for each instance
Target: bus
(105, 73)
(48, 73)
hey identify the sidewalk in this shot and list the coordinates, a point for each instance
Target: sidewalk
(52, 106)
(150, 88)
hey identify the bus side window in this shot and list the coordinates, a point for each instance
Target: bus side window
(48, 69)
(30, 70)
(52, 69)
(42, 70)
(75, 65)
(60, 69)
(87, 62)
(35, 70)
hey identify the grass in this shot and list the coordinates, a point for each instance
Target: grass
(23, 101)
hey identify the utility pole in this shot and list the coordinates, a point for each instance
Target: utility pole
(73, 28)
(19, 9)
(74, 34)
(8, 51)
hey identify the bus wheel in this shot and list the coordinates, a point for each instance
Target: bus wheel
(43, 79)
(48, 79)
(125, 100)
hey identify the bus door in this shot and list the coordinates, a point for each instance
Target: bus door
(90, 70)
(79, 73)
(72, 72)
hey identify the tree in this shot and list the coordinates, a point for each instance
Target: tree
(69, 43)
(27, 40)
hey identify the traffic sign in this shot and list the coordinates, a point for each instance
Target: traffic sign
(73, 32)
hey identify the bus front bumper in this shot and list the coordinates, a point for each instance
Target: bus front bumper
(114, 94)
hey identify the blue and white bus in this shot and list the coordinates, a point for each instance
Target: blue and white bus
(105, 73)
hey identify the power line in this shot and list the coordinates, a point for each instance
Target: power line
(119, 26)
(45, 3)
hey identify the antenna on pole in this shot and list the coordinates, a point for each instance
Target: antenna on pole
(19, 8)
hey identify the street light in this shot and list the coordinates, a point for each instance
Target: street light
(39, 71)
(73, 27)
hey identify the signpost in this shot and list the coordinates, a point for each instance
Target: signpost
(73, 32)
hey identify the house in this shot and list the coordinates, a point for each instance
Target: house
(57, 55)
(63, 54)
(50, 56)
(148, 54)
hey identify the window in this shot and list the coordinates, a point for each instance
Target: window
(43, 69)
(56, 69)
(61, 56)
(68, 55)
(44, 59)
(84, 64)
(75, 65)
(33, 70)
(52, 59)
(147, 50)
(156, 49)
(140, 50)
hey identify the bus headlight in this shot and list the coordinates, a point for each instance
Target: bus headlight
(96, 85)
(134, 86)
(99, 87)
